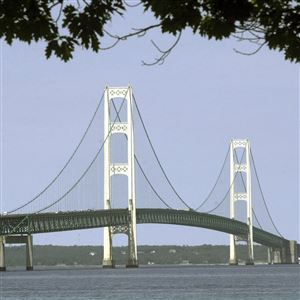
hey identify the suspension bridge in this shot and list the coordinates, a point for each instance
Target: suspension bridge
(84, 194)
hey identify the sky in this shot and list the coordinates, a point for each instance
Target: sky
(202, 96)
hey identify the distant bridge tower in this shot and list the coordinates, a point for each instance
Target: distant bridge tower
(110, 169)
(238, 196)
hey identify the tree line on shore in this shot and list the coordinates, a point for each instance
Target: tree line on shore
(50, 255)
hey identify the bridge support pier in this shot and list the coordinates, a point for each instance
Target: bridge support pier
(2, 253)
(293, 252)
(232, 257)
(250, 259)
(29, 252)
(108, 262)
(240, 167)
(132, 255)
(116, 126)
(277, 256)
(270, 256)
(289, 253)
(17, 239)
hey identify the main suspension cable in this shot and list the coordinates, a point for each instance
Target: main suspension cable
(216, 182)
(157, 159)
(231, 184)
(254, 214)
(140, 166)
(263, 197)
(245, 189)
(65, 166)
(90, 165)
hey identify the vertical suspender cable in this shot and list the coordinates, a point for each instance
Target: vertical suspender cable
(141, 168)
(157, 159)
(216, 182)
(253, 211)
(65, 166)
(262, 194)
(226, 194)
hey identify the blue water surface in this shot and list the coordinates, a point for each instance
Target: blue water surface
(153, 282)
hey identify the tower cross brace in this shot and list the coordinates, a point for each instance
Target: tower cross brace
(235, 196)
(125, 168)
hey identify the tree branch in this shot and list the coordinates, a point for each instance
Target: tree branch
(60, 11)
(132, 5)
(138, 32)
(250, 53)
(164, 53)
(111, 46)
(54, 4)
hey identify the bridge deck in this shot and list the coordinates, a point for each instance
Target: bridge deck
(63, 221)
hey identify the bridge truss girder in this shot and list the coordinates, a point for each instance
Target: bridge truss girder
(66, 221)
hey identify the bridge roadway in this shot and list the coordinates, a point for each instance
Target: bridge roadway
(17, 224)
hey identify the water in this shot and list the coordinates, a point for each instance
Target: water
(172, 282)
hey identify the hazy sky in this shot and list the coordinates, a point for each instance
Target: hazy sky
(201, 97)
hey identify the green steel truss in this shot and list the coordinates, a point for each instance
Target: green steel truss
(73, 220)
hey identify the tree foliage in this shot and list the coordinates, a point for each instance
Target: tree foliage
(63, 24)
(159, 255)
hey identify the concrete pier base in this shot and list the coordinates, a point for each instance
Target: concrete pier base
(233, 262)
(249, 262)
(29, 250)
(108, 264)
(132, 263)
(288, 254)
(293, 252)
(270, 255)
(277, 256)
(17, 239)
(2, 254)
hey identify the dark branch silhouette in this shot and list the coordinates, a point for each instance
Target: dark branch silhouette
(63, 25)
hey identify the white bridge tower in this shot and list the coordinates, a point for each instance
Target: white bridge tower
(125, 168)
(235, 196)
